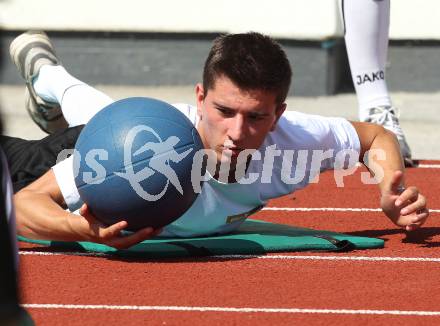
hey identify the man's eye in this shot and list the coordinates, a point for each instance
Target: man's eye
(256, 117)
(225, 112)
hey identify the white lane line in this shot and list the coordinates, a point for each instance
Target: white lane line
(322, 209)
(351, 258)
(421, 166)
(61, 253)
(329, 209)
(281, 257)
(236, 309)
(429, 166)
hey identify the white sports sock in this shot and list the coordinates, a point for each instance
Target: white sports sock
(366, 37)
(52, 81)
(79, 101)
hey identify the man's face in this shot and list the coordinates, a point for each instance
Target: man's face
(232, 119)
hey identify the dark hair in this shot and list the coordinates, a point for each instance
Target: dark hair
(252, 61)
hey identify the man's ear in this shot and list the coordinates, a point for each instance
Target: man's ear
(278, 113)
(200, 97)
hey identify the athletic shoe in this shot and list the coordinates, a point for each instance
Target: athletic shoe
(29, 52)
(387, 116)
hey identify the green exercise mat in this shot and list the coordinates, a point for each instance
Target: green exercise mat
(252, 238)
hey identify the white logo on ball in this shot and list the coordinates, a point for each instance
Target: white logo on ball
(158, 163)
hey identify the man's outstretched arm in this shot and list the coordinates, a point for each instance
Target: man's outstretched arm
(41, 214)
(403, 204)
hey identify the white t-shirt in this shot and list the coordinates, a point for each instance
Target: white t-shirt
(288, 160)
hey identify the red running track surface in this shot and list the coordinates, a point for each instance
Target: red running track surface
(380, 287)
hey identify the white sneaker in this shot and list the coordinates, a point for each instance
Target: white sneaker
(29, 52)
(387, 116)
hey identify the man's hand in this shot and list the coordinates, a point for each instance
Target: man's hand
(405, 207)
(90, 229)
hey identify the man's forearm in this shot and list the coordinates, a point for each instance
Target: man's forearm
(406, 208)
(40, 217)
(384, 159)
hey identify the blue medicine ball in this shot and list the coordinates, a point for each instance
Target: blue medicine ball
(133, 162)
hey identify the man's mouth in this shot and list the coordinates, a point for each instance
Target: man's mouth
(232, 151)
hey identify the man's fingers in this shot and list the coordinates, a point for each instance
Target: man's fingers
(84, 210)
(410, 194)
(132, 239)
(113, 236)
(417, 221)
(113, 230)
(415, 207)
(412, 227)
(411, 209)
(421, 216)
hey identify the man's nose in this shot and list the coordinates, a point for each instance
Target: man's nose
(237, 129)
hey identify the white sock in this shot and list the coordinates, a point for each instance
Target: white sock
(52, 81)
(79, 101)
(366, 37)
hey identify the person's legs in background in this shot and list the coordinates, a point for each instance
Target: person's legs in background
(53, 97)
(366, 24)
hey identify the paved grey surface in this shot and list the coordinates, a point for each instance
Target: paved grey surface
(155, 59)
(420, 112)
